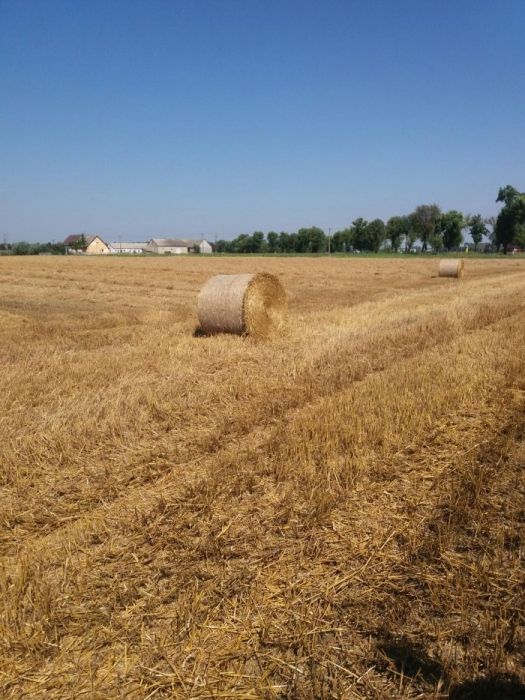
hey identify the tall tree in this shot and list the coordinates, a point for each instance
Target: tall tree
(477, 229)
(338, 243)
(241, 244)
(273, 242)
(223, 246)
(257, 242)
(342, 241)
(519, 235)
(425, 221)
(287, 242)
(508, 195)
(359, 234)
(510, 224)
(451, 225)
(311, 240)
(396, 228)
(376, 234)
(505, 230)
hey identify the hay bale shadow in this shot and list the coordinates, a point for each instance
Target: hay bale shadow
(199, 333)
(409, 658)
(497, 687)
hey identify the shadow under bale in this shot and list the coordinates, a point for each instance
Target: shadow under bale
(409, 658)
(498, 687)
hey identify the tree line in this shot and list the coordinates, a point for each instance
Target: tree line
(427, 224)
(24, 248)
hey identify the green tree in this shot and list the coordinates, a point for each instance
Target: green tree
(510, 224)
(376, 234)
(436, 241)
(257, 242)
(505, 230)
(311, 240)
(508, 195)
(21, 248)
(223, 246)
(367, 235)
(80, 243)
(273, 242)
(451, 225)
(58, 249)
(337, 244)
(292, 242)
(359, 234)
(425, 221)
(349, 238)
(477, 229)
(396, 228)
(287, 242)
(241, 244)
(342, 241)
(519, 235)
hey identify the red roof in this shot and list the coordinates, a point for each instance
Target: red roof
(72, 239)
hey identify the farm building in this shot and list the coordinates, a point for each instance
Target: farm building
(127, 247)
(94, 245)
(177, 246)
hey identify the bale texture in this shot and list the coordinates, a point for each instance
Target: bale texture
(452, 268)
(246, 304)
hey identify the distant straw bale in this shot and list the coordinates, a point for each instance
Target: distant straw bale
(452, 268)
(246, 304)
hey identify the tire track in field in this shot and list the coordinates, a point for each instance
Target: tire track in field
(352, 365)
(258, 435)
(136, 608)
(344, 370)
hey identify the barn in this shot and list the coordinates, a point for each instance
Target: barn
(127, 247)
(178, 246)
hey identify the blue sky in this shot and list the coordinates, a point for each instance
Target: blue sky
(138, 118)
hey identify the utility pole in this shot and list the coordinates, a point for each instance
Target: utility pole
(120, 243)
(329, 235)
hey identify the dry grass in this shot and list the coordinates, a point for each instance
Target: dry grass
(335, 514)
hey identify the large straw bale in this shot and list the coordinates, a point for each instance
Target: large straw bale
(452, 267)
(245, 304)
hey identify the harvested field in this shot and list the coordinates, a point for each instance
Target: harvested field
(337, 513)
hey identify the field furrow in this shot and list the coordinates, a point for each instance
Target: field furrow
(334, 514)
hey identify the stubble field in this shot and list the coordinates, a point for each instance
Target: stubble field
(336, 513)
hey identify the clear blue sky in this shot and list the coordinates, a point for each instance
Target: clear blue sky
(136, 118)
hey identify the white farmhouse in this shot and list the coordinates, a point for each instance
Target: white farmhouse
(178, 246)
(82, 244)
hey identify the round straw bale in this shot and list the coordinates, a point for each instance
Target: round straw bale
(451, 267)
(247, 304)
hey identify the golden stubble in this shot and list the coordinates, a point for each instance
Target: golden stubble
(334, 513)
